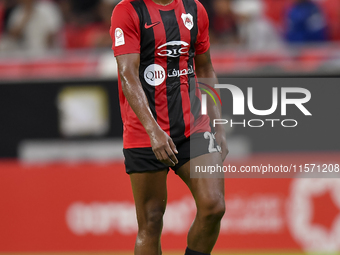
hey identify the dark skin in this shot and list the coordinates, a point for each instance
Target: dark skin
(209, 198)
(204, 69)
(150, 200)
(161, 142)
(162, 145)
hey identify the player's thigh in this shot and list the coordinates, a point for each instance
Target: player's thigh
(208, 192)
(150, 194)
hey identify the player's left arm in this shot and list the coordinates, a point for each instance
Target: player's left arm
(204, 69)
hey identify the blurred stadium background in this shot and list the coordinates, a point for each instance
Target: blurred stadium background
(63, 189)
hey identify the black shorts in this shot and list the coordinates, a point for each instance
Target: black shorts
(139, 160)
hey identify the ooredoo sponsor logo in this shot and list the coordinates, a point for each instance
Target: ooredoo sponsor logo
(173, 49)
(314, 230)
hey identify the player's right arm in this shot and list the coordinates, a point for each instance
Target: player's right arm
(125, 33)
(162, 144)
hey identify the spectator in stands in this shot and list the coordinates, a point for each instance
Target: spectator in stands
(33, 25)
(208, 7)
(2, 16)
(223, 28)
(78, 32)
(89, 24)
(103, 38)
(256, 31)
(65, 9)
(6, 7)
(306, 23)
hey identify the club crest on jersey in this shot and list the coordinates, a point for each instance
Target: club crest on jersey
(188, 20)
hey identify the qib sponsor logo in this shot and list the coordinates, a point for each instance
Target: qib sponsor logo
(154, 75)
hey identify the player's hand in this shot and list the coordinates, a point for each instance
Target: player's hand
(163, 147)
(221, 140)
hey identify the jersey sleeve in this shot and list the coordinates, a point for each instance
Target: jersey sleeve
(125, 30)
(202, 43)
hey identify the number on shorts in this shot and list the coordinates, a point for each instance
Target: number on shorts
(211, 148)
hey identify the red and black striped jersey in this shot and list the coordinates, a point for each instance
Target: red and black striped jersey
(167, 39)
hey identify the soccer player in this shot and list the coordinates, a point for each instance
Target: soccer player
(160, 45)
